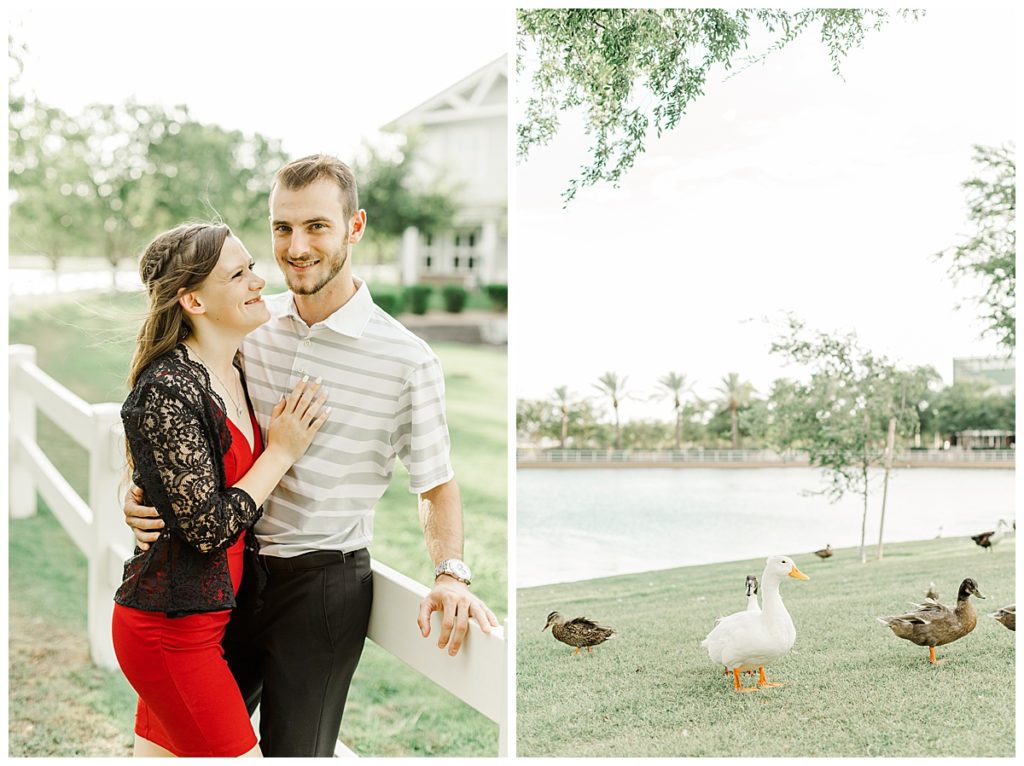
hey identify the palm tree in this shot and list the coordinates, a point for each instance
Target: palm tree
(675, 384)
(736, 393)
(562, 400)
(611, 386)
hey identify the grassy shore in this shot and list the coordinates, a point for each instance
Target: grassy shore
(852, 688)
(61, 705)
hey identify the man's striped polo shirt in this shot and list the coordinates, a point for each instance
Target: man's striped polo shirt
(386, 389)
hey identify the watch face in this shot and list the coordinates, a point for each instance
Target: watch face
(456, 568)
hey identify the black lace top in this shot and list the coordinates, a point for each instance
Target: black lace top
(178, 437)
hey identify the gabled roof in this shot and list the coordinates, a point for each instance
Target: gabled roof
(470, 98)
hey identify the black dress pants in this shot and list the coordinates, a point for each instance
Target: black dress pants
(295, 651)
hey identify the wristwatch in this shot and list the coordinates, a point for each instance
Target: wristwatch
(454, 568)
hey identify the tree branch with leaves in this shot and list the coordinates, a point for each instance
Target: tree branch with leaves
(634, 70)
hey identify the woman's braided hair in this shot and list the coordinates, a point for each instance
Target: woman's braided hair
(177, 259)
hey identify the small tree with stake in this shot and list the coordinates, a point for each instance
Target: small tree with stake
(841, 418)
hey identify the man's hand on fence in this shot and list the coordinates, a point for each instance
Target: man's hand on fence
(144, 520)
(453, 599)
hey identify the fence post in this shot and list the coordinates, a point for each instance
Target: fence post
(22, 411)
(106, 463)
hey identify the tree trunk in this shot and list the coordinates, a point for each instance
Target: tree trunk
(864, 517)
(735, 427)
(565, 427)
(890, 444)
(679, 427)
(618, 433)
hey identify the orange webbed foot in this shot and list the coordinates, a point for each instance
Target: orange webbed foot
(736, 683)
(763, 681)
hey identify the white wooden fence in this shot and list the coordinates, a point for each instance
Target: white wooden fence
(746, 457)
(478, 675)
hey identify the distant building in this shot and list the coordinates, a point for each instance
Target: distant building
(462, 136)
(997, 371)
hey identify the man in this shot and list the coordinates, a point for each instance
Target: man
(294, 653)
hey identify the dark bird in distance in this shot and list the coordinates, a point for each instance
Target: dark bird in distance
(824, 553)
(987, 539)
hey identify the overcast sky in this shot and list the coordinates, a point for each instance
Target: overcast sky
(784, 188)
(320, 77)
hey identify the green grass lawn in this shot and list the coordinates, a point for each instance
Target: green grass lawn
(391, 710)
(852, 687)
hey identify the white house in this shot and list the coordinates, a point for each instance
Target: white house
(462, 137)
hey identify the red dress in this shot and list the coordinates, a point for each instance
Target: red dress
(189, 702)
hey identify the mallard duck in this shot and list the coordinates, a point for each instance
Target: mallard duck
(933, 624)
(579, 632)
(1006, 616)
(988, 539)
(749, 640)
(824, 553)
(752, 605)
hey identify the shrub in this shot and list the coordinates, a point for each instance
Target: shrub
(455, 297)
(498, 295)
(417, 298)
(392, 303)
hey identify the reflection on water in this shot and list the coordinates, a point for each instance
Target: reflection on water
(577, 524)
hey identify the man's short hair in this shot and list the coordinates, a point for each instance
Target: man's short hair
(298, 174)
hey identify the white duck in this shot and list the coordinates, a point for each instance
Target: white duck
(751, 639)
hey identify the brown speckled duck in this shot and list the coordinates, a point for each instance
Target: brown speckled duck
(933, 624)
(824, 553)
(1007, 616)
(579, 632)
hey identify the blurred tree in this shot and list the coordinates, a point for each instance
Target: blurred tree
(674, 384)
(396, 196)
(648, 435)
(531, 419)
(104, 182)
(971, 405)
(632, 69)
(48, 212)
(613, 387)
(693, 416)
(736, 394)
(538, 420)
(564, 405)
(841, 416)
(990, 254)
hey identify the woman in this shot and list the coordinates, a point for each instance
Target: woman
(195, 449)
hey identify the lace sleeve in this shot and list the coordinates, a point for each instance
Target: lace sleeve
(177, 458)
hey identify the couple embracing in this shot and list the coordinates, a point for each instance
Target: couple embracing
(261, 431)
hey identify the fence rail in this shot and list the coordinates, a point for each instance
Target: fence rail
(478, 675)
(526, 457)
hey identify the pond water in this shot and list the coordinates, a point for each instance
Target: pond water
(577, 524)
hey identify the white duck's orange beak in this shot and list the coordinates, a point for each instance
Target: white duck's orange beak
(796, 574)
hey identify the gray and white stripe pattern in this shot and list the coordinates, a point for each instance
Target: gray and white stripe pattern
(386, 389)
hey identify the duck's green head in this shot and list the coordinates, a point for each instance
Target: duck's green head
(553, 619)
(751, 585)
(968, 588)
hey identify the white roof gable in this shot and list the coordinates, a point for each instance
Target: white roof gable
(481, 94)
